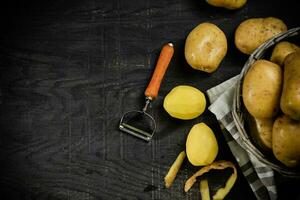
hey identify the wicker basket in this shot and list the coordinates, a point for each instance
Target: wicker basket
(239, 111)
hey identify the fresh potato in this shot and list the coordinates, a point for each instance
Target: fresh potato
(286, 141)
(261, 131)
(251, 33)
(281, 51)
(262, 88)
(290, 98)
(205, 47)
(201, 145)
(185, 102)
(229, 4)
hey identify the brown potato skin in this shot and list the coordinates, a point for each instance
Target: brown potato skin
(261, 131)
(262, 88)
(251, 33)
(281, 51)
(286, 141)
(290, 98)
(205, 47)
(229, 4)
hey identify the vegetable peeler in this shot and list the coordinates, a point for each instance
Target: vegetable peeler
(140, 123)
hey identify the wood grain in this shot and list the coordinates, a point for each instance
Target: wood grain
(70, 69)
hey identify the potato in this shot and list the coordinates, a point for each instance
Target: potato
(185, 102)
(286, 141)
(201, 145)
(290, 98)
(281, 51)
(229, 4)
(262, 88)
(205, 47)
(261, 131)
(251, 33)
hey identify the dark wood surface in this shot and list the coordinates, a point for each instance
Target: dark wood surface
(70, 69)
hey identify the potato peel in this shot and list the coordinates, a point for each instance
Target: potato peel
(171, 175)
(218, 165)
(204, 190)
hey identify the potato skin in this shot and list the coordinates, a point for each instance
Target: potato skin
(281, 51)
(290, 98)
(261, 131)
(251, 33)
(262, 88)
(286, 141)
(205, 47)
(229, 4)
(184, 102)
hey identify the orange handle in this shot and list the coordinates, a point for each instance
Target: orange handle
(160, 69)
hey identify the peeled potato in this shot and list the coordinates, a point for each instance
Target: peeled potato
(201, 145)
(205, 47)
(185, 102)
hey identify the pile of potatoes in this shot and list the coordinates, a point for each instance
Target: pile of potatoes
(271, 89)
(271, 94)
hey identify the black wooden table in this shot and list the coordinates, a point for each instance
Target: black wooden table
(70, 69)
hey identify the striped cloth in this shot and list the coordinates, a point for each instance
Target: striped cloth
(259, 176)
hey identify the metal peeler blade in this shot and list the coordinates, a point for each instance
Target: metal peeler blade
(140, 123)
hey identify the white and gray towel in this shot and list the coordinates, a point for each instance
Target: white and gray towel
(259, 176)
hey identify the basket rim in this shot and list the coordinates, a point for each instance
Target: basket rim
(237, 112)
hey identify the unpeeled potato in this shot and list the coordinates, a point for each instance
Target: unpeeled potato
(201, 145)
(185, 102)
(262, 88)
(286, 141)
(251, 33)
(205, 47)
(290, 98)
(281, 51)
(229, 4)
(261, 131)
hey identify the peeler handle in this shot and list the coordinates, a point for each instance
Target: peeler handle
(159, 72)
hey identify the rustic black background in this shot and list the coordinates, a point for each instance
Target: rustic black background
(69, 70)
